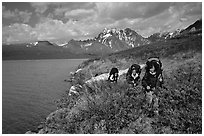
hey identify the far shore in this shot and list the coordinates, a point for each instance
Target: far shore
(31, 59)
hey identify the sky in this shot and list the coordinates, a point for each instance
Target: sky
(62, 21)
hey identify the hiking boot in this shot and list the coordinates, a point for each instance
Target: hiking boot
(156, 113)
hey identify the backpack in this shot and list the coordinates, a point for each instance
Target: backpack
(156, 62)
(129, 73)
(136, 67)
(112, 77)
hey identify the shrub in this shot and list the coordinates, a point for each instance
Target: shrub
(181, 101)
(111, 107)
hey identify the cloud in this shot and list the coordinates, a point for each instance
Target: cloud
(79, 13)
(55, 29)
(87, 20)
(17, 33)
(183, 19)
(193, 9)
(40, 7)
(16, 15)
(61, 8)
(50, 29)
(61, 11)
(7, 14)
(170, 19)
(25, 16)
(132, 10)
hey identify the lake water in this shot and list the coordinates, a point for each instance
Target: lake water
(29, 89)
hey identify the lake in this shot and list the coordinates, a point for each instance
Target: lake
(29, 89)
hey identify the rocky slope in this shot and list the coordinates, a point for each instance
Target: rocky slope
(193, 27)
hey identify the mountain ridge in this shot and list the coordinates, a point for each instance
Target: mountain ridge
(111, 40)
(107, 42)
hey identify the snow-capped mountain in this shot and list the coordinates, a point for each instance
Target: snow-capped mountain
(113, 40)
(40, 44)
(163, 36)
(31, 44)
(130, 37)
(108, 41)
(192, 29)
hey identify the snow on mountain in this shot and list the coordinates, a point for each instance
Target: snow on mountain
(165, 35)
(61, 44)
(31, 44)
(193, 28)
(113, 40)
(130, 37)
(88, 44)
(108, 41)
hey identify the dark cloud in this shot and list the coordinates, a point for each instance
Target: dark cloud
(156, 8)
(193, 9)
(63, 11)
(59, 8)
(7, 14)
(82, 19)
(25, 16)
(119, 11)
(22, 6)
(16, 15)
(40, 7)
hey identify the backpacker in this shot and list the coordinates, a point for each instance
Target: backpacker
(152, 80)
(133, 78)
(156, 62)
(113, 75)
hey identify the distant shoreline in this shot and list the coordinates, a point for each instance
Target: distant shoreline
(44, 59)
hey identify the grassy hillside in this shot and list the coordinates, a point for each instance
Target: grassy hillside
(103, 107)
(171, 51)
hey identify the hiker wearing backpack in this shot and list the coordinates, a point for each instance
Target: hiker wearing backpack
(133, 75)
(113, 75)
(152, 79)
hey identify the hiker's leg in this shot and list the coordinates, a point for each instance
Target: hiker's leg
(156, 104)
(131, 85)
(149, 97)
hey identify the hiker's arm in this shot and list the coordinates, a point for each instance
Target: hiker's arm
(109, 78)
(144, 83)
(137, 81)
(160, 78)
(128, 77)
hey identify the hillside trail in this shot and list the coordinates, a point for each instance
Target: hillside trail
(104, 76)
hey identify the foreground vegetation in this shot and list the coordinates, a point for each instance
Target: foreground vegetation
(102, 107)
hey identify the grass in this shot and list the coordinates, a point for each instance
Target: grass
(103, 107)
(115, 108)
(173, 49)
